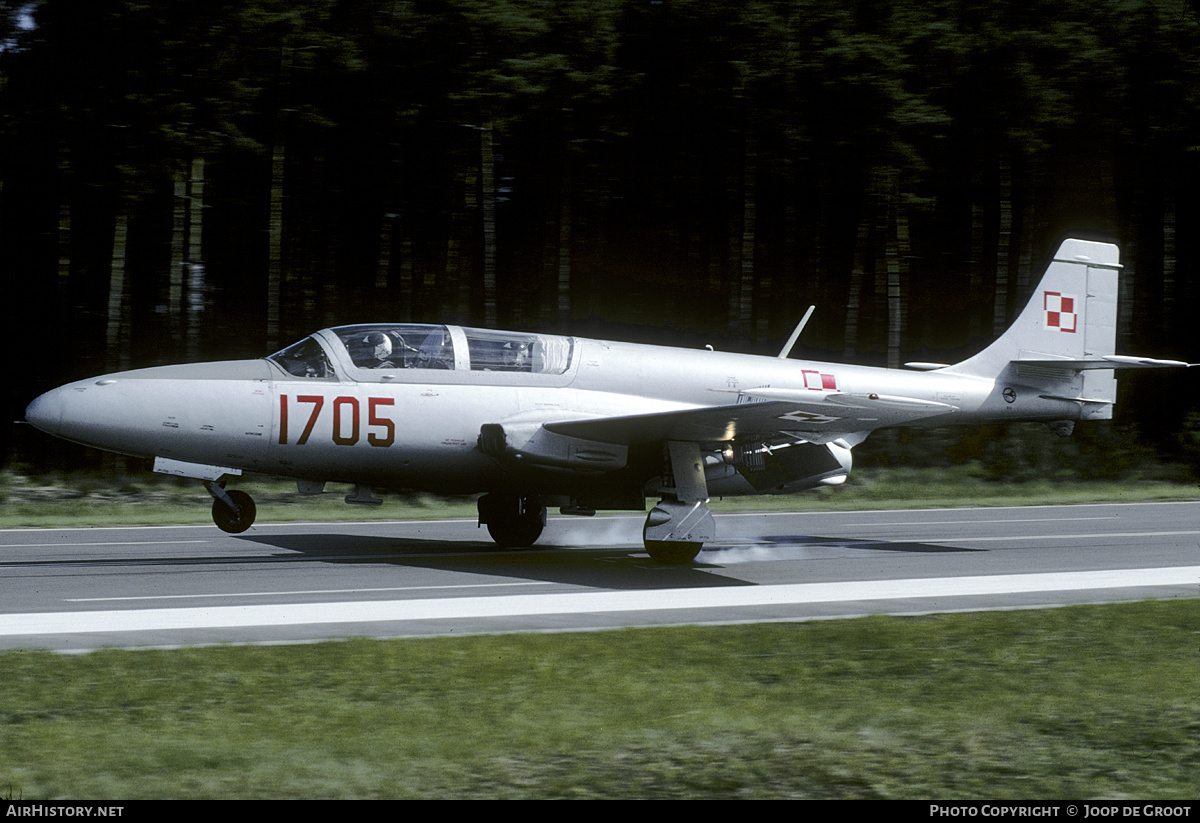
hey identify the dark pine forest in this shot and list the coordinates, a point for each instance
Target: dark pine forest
(187, 181)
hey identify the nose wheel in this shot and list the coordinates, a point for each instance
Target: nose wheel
(232, 511)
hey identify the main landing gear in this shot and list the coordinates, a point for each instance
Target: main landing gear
(513, 521)
(679, 526)
(675, 531)
(232, 511)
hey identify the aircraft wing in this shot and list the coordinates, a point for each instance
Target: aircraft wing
(769, 412)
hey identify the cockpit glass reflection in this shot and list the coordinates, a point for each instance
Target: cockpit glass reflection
(518, 351)
(417, 346)
(304, 359)
(398, 346)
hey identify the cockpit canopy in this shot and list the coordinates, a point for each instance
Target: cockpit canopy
(398, 346)
(304, 359)
(391, 346)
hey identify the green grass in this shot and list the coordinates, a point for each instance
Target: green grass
(82, 500)
(1078, 702)
(952, 487)
(53, 501)
(1090, 701)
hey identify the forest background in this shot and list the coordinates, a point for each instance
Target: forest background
(185, 181)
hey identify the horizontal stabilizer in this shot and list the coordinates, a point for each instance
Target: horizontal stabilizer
(1093, 400)
(1105, 361)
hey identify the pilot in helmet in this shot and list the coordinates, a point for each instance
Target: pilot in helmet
(381, 349)
(517, 356)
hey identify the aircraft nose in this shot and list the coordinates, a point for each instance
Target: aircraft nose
(45, 412)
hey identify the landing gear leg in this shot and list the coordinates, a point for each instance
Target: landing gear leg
(679, 526)
(232, 511)
(512, 521)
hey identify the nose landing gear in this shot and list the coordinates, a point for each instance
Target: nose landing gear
(232, 511)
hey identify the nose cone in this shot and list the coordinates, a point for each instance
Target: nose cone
(45, 412)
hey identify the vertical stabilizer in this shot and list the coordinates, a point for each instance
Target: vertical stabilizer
(1071, 317)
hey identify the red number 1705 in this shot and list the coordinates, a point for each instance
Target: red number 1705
(346, 419)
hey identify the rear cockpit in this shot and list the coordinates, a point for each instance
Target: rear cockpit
(363, 351)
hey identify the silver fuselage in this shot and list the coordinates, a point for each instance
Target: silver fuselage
(419, 428)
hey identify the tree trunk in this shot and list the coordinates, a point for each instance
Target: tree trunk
(975, 270)
(175, 318)
(487, 164)
(897, 254)
(749, 227)
(383, 266)
(1025, 258)
(1000, 306)
(854, 300)
(1169, 284)
(117, 327)
(458, 284)
(194, 256)
(275, 249)
(63, 287)
(1127, 307)
(736, 241)
(407, 271)
(564, 253)
(275, 271)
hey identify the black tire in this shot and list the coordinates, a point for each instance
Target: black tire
(514, 523)
(518, 534)
(234, 522)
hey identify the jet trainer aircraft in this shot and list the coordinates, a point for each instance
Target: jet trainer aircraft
(531, 420)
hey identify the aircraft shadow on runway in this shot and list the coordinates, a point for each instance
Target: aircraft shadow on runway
(615, 568)
(811, 541)
(611, 567)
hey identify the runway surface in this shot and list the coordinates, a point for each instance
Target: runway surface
(82, 589)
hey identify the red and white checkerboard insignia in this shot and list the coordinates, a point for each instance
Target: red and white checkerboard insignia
(815, 381)
(1060, 311)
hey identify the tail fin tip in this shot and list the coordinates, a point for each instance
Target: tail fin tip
(1091, 252)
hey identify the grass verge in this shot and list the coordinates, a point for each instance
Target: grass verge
(53, 501)
(1086, 701)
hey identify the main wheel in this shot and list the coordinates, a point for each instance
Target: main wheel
(513, 522)
(672, 553)
(676, 531)
(237, 520)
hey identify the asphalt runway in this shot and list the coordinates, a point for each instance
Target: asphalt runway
(83, 589)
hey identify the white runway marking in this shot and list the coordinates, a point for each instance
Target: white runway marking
(89, 544)
(93, 622)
